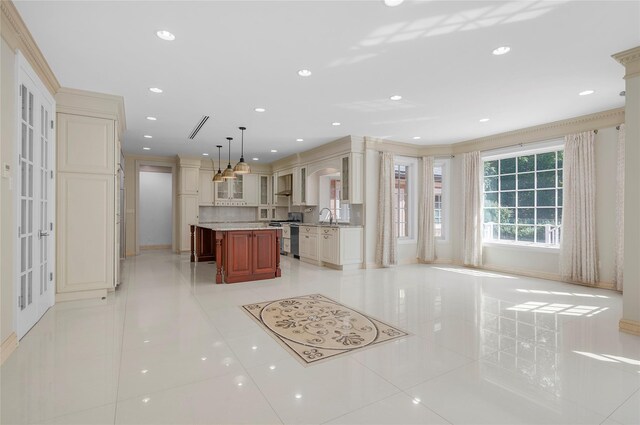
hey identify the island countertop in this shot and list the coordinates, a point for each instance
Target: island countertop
(229, 227)
(242, 252)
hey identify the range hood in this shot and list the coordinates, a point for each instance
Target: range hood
(285, 182)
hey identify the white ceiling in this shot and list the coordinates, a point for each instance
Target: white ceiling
(230, 57)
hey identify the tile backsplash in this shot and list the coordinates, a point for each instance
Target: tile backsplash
(227, 214)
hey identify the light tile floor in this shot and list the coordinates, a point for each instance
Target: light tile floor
(171, 347)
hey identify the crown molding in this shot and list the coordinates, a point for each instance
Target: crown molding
(630, 59)
(337, 147)
(15, 32)
(553, 130)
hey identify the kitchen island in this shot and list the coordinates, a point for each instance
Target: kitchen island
(241, 253)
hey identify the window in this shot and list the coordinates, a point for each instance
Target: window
(401, 204)
(437, 209)
(339, 209)
(523, 197)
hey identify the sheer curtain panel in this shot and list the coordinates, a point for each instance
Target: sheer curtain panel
(426, 234)
(387, 245)
(472, 209)
(578, 249)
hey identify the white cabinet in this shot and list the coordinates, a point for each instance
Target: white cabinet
(299, 194)
(350, 246)
(188, 215)
(251, 189)
(87, 209)
(308, 243)
(351, 174)
(230, 193)
(205, 190)
(266, 213)
(330, 245)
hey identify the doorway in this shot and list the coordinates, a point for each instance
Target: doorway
(156, 213)
(35, 198)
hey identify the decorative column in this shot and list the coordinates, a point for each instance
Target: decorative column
(630, 321)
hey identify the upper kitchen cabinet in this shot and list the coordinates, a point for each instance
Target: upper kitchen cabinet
(351, 173)
(89, 127)
(241, 191)
(205, 190)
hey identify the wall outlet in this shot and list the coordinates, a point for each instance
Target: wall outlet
(6, 170)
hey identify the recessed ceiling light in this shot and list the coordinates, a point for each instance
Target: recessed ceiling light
(299, 140)
(165, 35)
(146, 149)
(259, 109)
(502, 50)
(274, 150)
(416, 400)
(586, 92)
(304, 73)
(396, 97)
(484, 120)
(393, 3)
(146, 400)
(143, 371)
(255, 159)
(152, 118)
(155, 89)
(272, 367)
(205, 154)
(335, 124)
(416, 137)
(148, 136)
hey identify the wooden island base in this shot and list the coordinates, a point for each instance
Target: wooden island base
(241, 255)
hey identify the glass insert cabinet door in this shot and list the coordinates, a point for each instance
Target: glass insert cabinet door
(264, 190)
(237, 187)
(222, 190)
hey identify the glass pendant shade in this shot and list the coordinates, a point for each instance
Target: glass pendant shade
(218, 177)
(228, 173)
(242, 167)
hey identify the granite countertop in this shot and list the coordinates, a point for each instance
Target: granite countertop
(339, 225)
(228, 227)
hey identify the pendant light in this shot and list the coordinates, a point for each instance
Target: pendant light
(218, 177)
(242, 167)
(228, 173)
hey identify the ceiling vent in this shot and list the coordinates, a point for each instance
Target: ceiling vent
(198, 126)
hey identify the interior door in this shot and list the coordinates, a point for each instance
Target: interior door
(35, 201)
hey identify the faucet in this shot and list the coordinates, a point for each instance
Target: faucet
(330, 216)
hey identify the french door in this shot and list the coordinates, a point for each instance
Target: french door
(35, 199)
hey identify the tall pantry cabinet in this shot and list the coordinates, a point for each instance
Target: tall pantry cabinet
(89, 129)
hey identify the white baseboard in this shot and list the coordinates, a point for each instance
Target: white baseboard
(547, 276)
(80, 295)
(8, 347)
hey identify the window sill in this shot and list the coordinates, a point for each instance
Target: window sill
(523, 246)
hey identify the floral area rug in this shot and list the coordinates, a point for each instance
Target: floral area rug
(315, 328)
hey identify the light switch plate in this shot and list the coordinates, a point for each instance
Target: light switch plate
(6, 170)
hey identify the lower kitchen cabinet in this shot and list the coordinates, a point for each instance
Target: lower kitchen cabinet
(308, 243)
(250, 255)
(339, 247)
(330, 245)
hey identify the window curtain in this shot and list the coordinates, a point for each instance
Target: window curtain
(578, 254)
(472, 209)
(426, 234)
(620, 211)
(387, 245)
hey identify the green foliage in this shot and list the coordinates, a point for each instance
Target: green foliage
(507, 165)
(491, 168)
(546, 161)
(526, 163)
